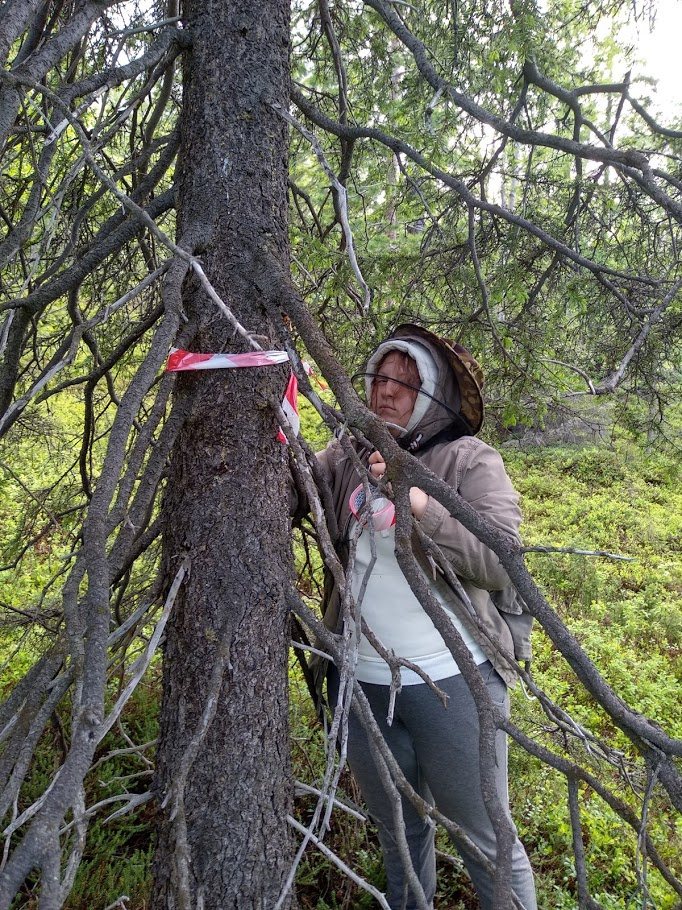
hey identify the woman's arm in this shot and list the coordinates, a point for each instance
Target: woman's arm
(486, 487)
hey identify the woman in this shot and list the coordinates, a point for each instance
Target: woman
(429, 394)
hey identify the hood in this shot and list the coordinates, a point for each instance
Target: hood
(450, 402)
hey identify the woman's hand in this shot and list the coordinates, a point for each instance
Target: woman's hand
(418, 498)
(377, 465)
(418, 501)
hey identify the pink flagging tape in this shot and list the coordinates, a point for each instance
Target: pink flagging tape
(185, 360)
(309, 370)
(290, 408)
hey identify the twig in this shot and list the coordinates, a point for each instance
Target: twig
(311, 649)
(585, 901)
(641, 854)
(395, 662)
(119, 903)
(139, 668)
(153, 26)
(549, 549)
(575, 369)
(301, 789)
(131, 750)
(339, 863)
(610, 384)
(342, 197)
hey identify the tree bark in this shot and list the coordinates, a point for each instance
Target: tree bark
(223, 771)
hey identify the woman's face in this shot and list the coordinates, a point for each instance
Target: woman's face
(391, 400)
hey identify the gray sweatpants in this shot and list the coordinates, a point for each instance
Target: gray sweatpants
(438, 751)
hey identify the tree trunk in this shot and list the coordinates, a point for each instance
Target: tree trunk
(223, 771)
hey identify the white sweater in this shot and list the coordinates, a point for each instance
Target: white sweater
(398, 620)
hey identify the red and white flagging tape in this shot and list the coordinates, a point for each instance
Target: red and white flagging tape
(185, 360)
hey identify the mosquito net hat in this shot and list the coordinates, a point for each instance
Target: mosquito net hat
(435, 358)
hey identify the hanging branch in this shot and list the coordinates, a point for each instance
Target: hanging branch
(610, 384)
(342, 197)
(633, 163)
(399, 146)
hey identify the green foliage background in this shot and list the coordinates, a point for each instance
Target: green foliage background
(414, 248)
(628, 617)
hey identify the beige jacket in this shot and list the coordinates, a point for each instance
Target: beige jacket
(477, 472)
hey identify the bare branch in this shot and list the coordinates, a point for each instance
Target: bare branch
(343, 202)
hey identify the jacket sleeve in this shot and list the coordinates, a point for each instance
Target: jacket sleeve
(487, 488)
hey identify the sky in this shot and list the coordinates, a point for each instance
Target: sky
(660, 53)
